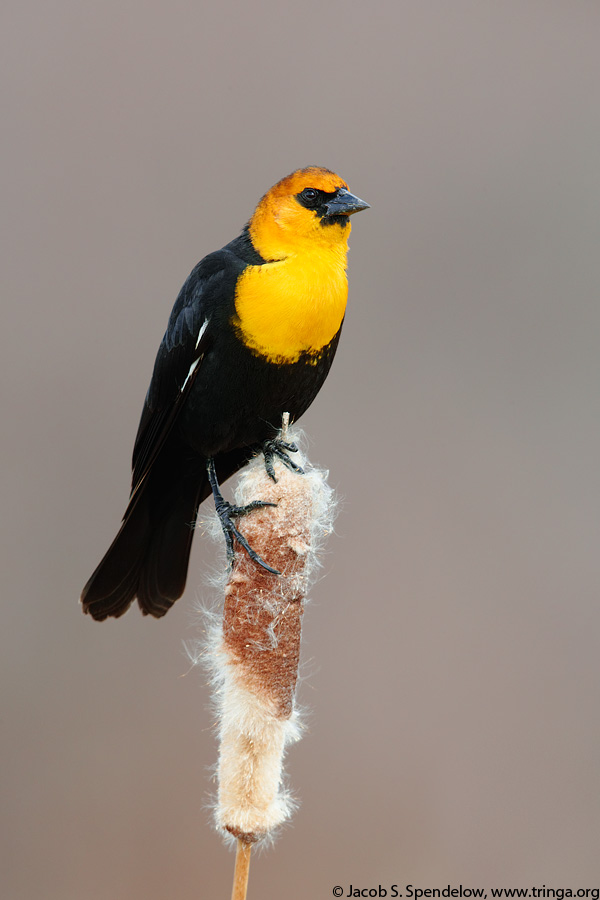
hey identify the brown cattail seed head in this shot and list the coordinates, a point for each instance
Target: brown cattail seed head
(256, 653)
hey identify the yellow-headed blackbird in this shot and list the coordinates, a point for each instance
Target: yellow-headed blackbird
(252, 335)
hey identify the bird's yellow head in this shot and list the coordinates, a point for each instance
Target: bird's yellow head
(310, 208)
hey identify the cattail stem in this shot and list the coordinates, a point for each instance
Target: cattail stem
(242, 870)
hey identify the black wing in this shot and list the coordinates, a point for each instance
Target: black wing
(178, 361)
(149, 556)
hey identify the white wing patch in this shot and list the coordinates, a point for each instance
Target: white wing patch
(203, 328)
(193, 368)
(196, 362)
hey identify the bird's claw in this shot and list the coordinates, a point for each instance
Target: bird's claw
(227, 512)
(280, 449)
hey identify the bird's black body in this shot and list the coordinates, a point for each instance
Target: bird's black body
(252, 335)
(232, 403)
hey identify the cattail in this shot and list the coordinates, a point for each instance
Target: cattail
(254, 655)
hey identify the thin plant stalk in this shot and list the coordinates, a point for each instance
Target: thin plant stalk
(242, 870)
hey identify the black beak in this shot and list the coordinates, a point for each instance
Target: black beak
(344, 204)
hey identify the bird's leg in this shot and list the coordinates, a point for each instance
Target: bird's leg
(280, 449)
(227, 512)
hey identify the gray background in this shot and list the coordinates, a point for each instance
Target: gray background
(451, 649)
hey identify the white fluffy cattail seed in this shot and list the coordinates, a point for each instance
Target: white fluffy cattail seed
(256, 653)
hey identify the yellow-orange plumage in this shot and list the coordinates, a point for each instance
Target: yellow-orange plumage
(296, 304)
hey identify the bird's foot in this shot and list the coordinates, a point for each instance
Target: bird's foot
(279, 449)
(227, 512)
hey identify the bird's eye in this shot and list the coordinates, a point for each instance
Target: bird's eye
(309, 195)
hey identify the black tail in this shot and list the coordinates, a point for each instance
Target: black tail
(164, 569)
(149, 557)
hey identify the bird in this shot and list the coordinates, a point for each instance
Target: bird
(252, 335)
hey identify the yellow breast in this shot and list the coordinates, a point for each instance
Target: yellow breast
(293, 306)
